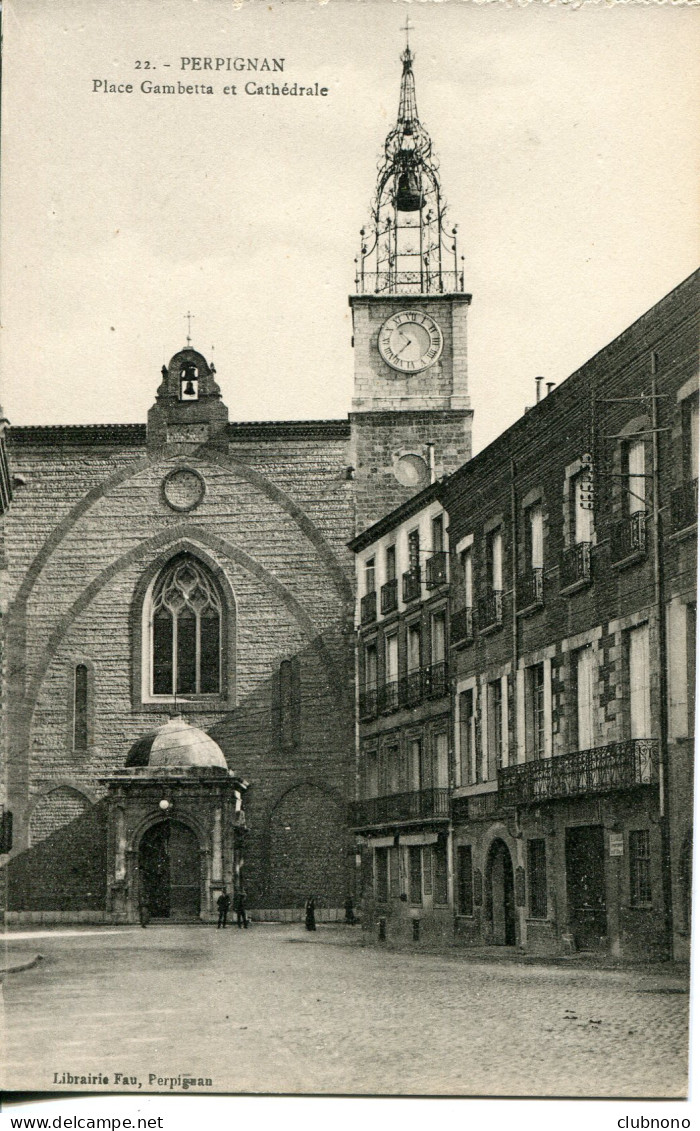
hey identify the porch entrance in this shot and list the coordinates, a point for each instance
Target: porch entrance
(585, 886)
(502, 894)
(169, 871)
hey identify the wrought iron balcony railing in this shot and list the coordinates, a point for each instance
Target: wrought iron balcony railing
(575, 564)
(412, 688)
(411, 585)
(531, 588)
(409, 282)
(388, 696)
(603, 769)
(368, 703)
(479, 807)
(629, 536)
(462, 626)
(684, 506)
(389, 596)
(368, 608)
(491, 610)
(436, 570)
(436, 680)
(419, 804)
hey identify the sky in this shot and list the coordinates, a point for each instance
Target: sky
(569, 152)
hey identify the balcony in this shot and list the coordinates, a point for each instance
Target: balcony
(368, 608)
(622, 765)
(411, 585)
(462, 626)
(412, 688)
(388, 697)
(491, 610)
(575, 566)
(436, 570)
(684, 506)
(418, 805)
(531, 589)
(368, 703)
(389, 596)
(436, 680)
(629, 537)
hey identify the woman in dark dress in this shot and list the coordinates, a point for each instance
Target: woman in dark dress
(310, 914)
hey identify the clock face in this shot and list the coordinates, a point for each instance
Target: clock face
(410, 341)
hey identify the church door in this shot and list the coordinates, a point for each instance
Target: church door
(169, 871)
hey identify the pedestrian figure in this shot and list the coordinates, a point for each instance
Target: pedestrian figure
(223, 903)
(310, 914)
(239, 908)
(349, 911)
(144, 913)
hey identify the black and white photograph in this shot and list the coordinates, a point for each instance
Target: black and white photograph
(349, 496)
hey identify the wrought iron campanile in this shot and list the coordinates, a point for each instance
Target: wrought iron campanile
(408, 248)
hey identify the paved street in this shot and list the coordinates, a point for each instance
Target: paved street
(276, 1010)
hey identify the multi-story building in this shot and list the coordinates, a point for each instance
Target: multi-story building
(572, 646)
(571, 664)
(401, 815)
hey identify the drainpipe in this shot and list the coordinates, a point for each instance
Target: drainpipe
(660, 602)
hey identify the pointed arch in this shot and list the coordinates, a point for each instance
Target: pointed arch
(183, 618)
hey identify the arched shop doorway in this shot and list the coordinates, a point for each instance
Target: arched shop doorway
(169, 871)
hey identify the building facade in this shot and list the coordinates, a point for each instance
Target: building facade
(191, 566)
(571, 652)
(401, 816)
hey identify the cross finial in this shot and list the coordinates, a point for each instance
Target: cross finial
(189, 318)
(408, 26)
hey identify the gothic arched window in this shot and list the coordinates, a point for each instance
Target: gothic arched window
(186, 630)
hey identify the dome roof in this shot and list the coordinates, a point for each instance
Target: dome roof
(177, 744)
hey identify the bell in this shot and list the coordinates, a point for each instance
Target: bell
(409, 196)
(189, 390)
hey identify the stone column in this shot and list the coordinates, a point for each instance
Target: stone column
(120, 844)
(216, 860)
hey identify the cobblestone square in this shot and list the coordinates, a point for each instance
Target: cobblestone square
(276, 1010)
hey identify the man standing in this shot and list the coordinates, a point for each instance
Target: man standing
(239, 908)
(223, 903)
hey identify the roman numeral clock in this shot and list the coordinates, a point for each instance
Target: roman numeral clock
(410, 341)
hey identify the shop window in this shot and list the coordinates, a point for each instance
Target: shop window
(537, 878)
(381, 864)
(415, 874)
(465, 880)
(440, 872)
(394, 876)
(640, 868)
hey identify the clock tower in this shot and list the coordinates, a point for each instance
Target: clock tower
(411, 415)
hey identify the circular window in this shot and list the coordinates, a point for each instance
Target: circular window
(183, 489)
(411, 471)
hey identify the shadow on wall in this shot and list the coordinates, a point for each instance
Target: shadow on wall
(66, 871)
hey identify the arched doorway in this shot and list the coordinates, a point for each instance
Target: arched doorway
(169, 871)
(501, 892)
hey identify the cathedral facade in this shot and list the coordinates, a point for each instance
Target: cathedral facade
(179, 684)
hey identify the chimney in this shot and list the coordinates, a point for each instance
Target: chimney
(538, 386)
